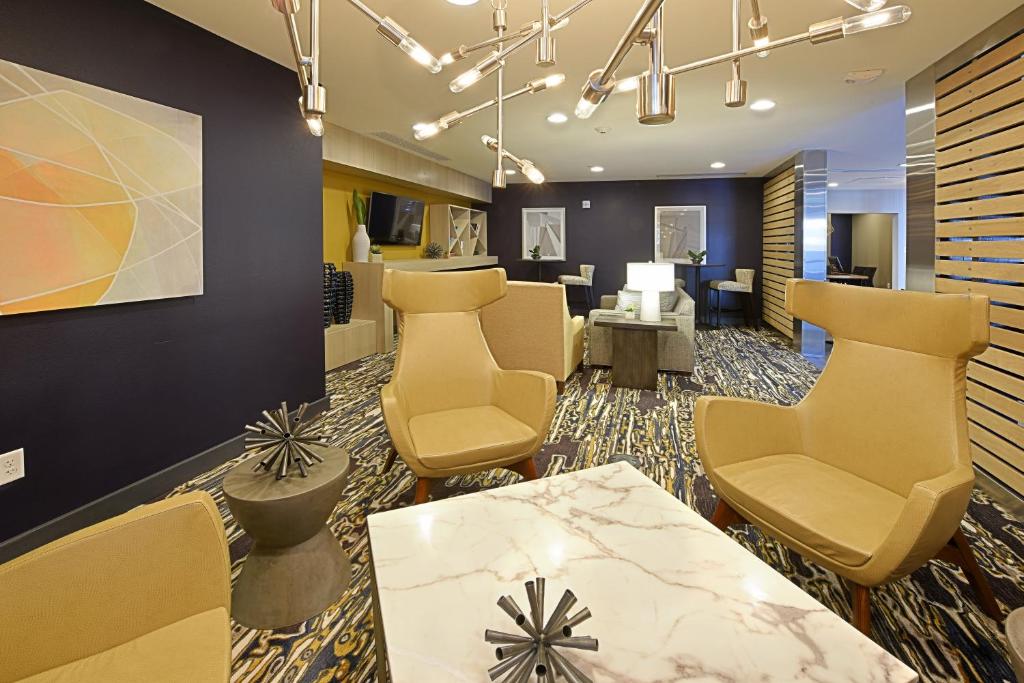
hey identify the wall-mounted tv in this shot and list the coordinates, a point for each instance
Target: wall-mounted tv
(394, 220)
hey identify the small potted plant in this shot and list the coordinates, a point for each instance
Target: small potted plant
(629, 312)
(535, 253)
(433, 251)
(376, 255)
(697, 257)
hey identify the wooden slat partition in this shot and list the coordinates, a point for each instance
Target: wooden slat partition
(980, 239)
(779, 244)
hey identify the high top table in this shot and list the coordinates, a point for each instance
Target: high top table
(672, 597)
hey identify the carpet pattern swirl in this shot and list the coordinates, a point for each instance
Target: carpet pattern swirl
(930, 620)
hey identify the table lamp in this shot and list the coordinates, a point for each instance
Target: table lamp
(651, 279)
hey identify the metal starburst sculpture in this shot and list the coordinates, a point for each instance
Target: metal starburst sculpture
(537, 653)
(281, 443)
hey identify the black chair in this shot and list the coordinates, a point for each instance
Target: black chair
(835, 266)
(869, 271)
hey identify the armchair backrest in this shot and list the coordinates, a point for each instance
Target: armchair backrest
(890, 406)
(526, 329)
(443, 361)
(587, 271)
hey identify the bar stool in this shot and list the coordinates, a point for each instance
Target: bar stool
(585, 279)
(743, 286)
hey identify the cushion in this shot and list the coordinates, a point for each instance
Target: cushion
(667, 300)
(574, 280)
(196, 649)
(469, 436)
(839, 515)
(731, 286)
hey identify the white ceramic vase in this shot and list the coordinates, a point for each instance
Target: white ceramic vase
(361, 245)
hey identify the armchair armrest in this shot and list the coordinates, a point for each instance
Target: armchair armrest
(113, 582)
(396, 418)
(732, 430)
(527, 396)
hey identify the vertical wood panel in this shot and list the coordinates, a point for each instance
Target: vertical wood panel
(779, 242)
(980, 239)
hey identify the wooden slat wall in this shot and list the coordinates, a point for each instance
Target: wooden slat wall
(779, 243)
(980, 239)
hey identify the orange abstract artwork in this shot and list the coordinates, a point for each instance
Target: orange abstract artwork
(101, 195)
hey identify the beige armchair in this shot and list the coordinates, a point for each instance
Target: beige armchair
(870, 475)
(530, 329)
(675, 349)
(449, 408)
(144, 596)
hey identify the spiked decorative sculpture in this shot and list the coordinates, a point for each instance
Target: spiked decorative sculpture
(281, 443)
(537, 652)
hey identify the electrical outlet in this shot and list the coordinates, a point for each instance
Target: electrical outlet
(12, 466)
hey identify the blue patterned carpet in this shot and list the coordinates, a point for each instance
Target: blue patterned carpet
(929, 620)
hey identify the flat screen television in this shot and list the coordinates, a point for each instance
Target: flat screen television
(394, 220)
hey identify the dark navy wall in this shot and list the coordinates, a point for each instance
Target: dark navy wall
(842, 239)
(619, 226)
(103, 397)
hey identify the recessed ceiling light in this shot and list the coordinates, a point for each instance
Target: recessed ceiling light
(557, 117)
(833, 184)
(718, 164)
(597, 169)
(463, 2)
(511, 171)
(763, 105)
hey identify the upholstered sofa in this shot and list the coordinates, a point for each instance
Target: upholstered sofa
(530, 329)
(675, 349)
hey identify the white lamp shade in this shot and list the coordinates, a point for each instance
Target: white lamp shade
(650, 277)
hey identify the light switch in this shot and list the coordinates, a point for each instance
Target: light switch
(586, 203)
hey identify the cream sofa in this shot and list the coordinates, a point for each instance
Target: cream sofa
(675, 349)
(530, 329)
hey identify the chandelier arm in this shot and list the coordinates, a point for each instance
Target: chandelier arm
(739, 54)
(361, 6)
(499, 26)
(536, 30)
(293, 36)
(640, 22)
(314, 42)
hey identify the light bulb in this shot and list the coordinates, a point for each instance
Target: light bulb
(585, 108)
(867, 5)
(554, 80)
(465, 80)
(532, 172)
(872, 20)
(489, 141)
(447, 58)
(420, 55)
(316, 124)
(423, 131)
(627, 84)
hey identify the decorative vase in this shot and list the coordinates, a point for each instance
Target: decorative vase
(630, 315)
(376, 258)
(361, 245)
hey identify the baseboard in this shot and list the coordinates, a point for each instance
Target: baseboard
(133, 495)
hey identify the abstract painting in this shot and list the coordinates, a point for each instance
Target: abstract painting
(100, 195)
(544, 228)
(678, 230)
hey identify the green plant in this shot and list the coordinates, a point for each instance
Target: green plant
(359, 208)
(630, 308)
(433, 251)
(535, 253)
(375, 249)
(697, 256)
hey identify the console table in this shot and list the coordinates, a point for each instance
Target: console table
(634, 351)
(672, 597)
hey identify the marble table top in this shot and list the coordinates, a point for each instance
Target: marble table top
(672, 598)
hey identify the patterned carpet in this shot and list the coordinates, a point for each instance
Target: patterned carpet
(929, 620)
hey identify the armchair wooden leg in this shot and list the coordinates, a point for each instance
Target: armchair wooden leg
(527, 468)
(959, 552)
(389, 463)
(861, 596)
(560, 387)
(725, 516)
(422, 490)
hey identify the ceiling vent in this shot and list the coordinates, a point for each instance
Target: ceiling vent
(863, 76)
(408, 146)
(697, 176)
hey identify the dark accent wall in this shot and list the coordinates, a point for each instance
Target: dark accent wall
(841, 244)
(102, 397)
(619, 226)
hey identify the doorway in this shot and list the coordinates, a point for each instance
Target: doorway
(863, 244)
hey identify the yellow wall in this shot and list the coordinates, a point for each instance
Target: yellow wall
(339, 219)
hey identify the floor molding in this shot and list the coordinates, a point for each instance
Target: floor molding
(133, 495)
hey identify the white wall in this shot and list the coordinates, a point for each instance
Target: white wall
(879, 201)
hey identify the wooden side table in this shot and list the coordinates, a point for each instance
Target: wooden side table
(296, 568)
(634, 351)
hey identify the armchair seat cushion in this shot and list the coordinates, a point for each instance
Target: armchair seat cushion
(475, 436)
(833, 512)
(196, 649)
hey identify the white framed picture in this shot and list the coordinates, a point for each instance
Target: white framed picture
(544, 228)
(678, 230)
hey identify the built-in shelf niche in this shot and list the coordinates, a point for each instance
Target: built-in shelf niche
(459, 231)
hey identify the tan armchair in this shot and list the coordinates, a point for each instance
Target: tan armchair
(144, 596)
(870, 475)
(530, 329)
(449, 408)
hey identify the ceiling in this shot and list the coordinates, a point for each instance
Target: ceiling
(374, 88)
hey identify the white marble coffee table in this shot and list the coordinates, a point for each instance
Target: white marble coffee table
(673, 598)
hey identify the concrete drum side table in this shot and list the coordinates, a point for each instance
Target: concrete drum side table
(296, 568)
